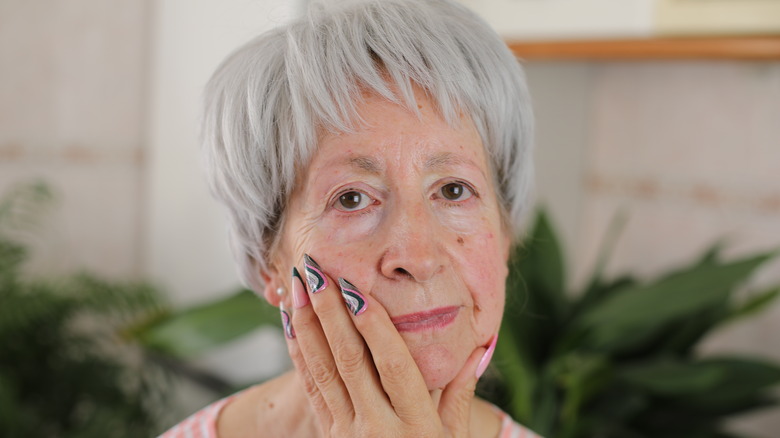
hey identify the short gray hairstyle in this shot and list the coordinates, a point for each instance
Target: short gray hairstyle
(267, 102)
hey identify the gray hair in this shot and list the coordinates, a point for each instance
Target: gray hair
(266, 103)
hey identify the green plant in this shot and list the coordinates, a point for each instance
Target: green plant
(63, 370)
(619, 358)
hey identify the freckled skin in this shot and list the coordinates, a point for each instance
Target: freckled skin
(409, 248)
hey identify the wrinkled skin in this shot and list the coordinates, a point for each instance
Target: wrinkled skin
(405, 209)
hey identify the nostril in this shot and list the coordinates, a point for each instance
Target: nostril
(403, 272)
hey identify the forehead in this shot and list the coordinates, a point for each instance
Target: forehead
(389, 133)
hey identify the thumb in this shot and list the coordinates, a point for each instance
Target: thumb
(455, 403)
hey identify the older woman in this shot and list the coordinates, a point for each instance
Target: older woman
(374, 154)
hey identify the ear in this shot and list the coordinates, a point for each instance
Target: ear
(272, 281)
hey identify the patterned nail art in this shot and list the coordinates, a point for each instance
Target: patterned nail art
(356, 302)
(314, 276)
(299, 295)
(296, 273)
(289, 332)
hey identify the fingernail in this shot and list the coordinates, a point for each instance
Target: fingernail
(314, 276)
(286, 322)
(483, 363)
(356, 302)
(300, 298)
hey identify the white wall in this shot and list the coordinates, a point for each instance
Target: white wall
(185, 241)
(535, 19)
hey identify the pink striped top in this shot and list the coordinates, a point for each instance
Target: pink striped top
(203, 424)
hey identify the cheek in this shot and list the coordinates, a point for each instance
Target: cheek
(485, 271)
(342, 247)
(460, 220)
(345, 232)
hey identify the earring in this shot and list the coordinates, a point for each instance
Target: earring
(280, 291)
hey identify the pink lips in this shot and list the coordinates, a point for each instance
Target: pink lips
(430, 319)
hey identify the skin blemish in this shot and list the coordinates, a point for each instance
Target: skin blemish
(460, 240)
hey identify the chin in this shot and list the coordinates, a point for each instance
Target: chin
(438, 365)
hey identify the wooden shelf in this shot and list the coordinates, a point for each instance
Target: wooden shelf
(740, 48)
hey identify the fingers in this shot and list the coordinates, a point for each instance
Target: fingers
(352, 358)
(334, 352)
(320, 408)
(456, 399)
(399, 375)
(312, 358)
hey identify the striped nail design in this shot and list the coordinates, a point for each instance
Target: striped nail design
(314, 276)
(356, 302)
(289, 332)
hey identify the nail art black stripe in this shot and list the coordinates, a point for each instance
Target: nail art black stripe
(314, 276)
(297, 274)
(289, 332)
(356, 302)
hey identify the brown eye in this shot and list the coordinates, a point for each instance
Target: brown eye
(352, 201)
(455, 192)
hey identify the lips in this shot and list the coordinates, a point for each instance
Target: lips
(427, 320)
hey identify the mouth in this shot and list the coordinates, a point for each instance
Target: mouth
(427, 320)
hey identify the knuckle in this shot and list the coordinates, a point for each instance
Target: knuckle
(309, 385)
(322, 373)
(350, 357)
(395, 369)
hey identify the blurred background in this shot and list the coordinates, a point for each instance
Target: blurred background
(100, 100)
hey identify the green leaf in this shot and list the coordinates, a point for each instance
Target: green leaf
(754, 304)
(196, 330)
(545, 271)
(709, 381)
(644, 309)
(595, 287)
(517, 374)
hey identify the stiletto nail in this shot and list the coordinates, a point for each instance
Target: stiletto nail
(289, 332)
(356, 302)
(314, 276)
(483, 363)
(300, 298)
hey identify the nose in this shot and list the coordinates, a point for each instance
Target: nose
(413, 245)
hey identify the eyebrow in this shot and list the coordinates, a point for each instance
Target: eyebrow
(436, 162)
(366, 164)
(445, 159)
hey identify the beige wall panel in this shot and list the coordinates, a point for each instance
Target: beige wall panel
(72, 98)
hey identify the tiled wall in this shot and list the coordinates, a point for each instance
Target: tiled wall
(72, 97)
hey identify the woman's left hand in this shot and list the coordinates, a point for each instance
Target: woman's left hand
(358, 373)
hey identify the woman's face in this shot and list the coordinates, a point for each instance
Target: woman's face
(405, 208)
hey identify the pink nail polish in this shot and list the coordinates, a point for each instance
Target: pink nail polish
(300, 298)
(483, 363)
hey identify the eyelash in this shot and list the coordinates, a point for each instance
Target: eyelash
(450, 203)
(458, 203)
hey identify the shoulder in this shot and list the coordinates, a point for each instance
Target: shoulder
(202, 424)
(238, 415)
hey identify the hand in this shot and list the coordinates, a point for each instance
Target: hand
(358, 373)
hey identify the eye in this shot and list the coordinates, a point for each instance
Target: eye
(352, 201)
(455, 192)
